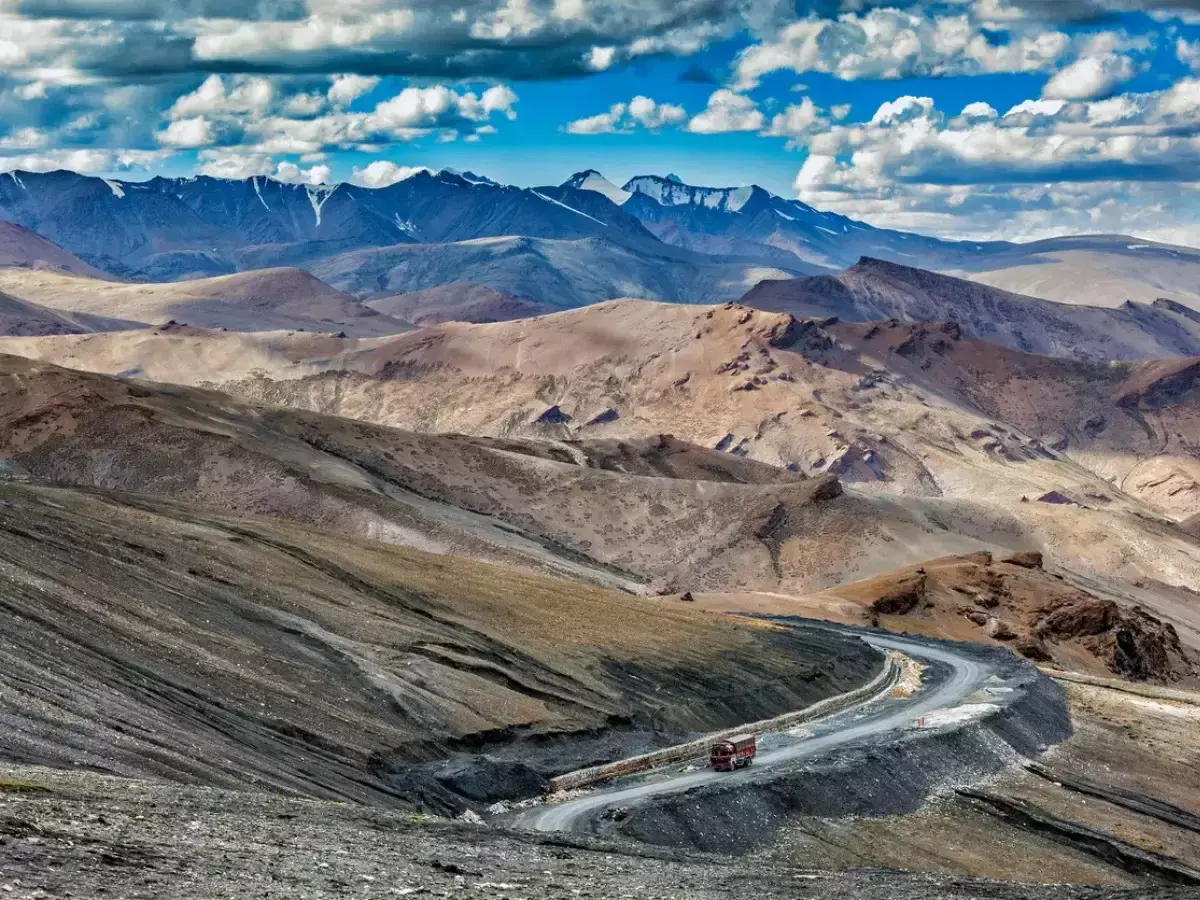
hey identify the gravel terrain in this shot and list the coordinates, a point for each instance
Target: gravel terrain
(79, 835)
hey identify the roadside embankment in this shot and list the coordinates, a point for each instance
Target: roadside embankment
(698, 749)
(1006, 713)
(1152, 691)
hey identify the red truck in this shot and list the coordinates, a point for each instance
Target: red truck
(734, 753)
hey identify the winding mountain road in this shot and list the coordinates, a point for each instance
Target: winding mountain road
(959, 677)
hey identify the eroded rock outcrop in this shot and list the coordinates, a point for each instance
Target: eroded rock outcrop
(1015, 602)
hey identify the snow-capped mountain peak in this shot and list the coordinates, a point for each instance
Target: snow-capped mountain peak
(472, 178)
(591, 180)
(670, 191)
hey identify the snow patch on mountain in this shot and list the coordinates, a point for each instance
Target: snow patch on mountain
(318, 196)
(672, 192)
(472, 178)
(258, 191)
(591, 180)
(542, 196)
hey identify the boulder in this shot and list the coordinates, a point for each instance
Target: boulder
(901, 598)
(999, 631)
(1029, 559)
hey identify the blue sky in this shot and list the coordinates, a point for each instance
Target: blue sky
(1083, 115)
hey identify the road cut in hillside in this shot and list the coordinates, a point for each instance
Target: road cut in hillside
(977, 711)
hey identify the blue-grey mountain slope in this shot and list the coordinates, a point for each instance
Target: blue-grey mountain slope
(560, 274)
(752, 221)
(554, 245)
(171, 229)
(1101, 270)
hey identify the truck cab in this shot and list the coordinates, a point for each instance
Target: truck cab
(733, 753)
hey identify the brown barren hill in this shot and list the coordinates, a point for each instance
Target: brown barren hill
(189, 354)
(910, 415)
(458, 301)
(904, 408)
(916, 409)
(646, 515)
(20, 318)
(264, 300)
(23, 249)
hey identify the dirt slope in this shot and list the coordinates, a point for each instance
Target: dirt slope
(189, 354)
(20, 318)
(458, 301)
(252, 301)
(917, 416)
(149, 637)
(22, 248)
(1098, 270)
(644, 515)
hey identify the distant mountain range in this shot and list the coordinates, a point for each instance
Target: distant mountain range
(562, 246)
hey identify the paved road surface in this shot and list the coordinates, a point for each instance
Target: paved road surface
(966, 676)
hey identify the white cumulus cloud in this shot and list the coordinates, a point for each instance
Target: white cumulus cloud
(893, 43)
(1090, 78)
(1043, 166)
(382, 172)
(1189, 53)
(625, 118)
(728, 111)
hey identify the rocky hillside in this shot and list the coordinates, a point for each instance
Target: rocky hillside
(874, 289)
(907, 408)
(149, 840)
(200, 646)
(1015, 602)
(1019, 451)
(647, 516)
